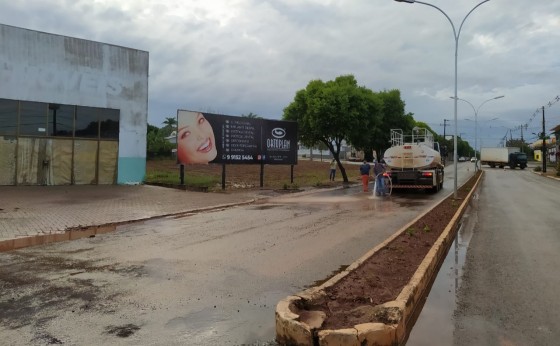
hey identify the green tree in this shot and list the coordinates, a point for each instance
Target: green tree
(170, 121)
(170, 126)
(332, 112)
(156, 143)
(393, 117)
(463, 147)
(251, 115)
(524, 147)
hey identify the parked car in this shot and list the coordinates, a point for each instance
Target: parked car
(473, 159)
(462, 159)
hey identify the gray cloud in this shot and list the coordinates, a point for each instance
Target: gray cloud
(242, 56)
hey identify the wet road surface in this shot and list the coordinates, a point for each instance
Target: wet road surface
(211, 278)
(499, 282)
(435, 322)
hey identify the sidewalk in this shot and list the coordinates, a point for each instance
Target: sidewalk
(29, 213)
(550, 171)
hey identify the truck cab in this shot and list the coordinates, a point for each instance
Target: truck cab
(517, 159)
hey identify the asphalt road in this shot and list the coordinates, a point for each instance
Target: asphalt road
(211, 278)
(509, 293)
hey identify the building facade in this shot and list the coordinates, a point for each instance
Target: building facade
(72, 111)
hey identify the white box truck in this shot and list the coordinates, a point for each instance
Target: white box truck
(504, 156)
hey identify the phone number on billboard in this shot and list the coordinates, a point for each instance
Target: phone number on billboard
(239, 157)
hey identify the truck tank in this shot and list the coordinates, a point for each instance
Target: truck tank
(415, 151)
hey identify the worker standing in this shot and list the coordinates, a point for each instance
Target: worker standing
(364, 171)
(378, 170)
(332, 171)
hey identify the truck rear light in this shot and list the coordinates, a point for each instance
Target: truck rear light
(427, 174)
(407, 147)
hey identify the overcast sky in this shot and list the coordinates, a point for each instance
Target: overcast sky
(239, 56)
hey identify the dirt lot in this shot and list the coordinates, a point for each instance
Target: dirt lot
(306, 173)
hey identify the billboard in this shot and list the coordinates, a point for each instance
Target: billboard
(215, 138)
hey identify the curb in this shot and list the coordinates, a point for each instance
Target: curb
(75, 233)
(546, 176)
(295, 326)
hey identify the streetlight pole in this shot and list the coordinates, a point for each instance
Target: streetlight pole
(476, 123)
(456, 36)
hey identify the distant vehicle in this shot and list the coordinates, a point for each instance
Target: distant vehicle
(473, 159)
(354, 155)
(501, 157)
(462, 159)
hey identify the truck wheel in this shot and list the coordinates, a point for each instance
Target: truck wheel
(522, 166)
(492, 165)
(512, 166)
(501, 166)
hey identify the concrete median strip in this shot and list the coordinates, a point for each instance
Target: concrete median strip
(297, 326)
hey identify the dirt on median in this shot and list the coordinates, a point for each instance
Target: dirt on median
(381, 278)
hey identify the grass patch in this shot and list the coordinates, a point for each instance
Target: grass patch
(411, 231)
(166, 177)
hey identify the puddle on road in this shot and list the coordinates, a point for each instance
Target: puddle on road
(435, 321)
(410, 204)
(122, 331)
(264, 207)
(339, 199)
(348, 198)
(223, 323)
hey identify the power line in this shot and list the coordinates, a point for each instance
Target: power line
(540, 109)
(529, 128)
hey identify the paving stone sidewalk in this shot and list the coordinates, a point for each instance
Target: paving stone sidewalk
(27, 211)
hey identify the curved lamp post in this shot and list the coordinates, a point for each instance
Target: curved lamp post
(456, 34)
(476, 122)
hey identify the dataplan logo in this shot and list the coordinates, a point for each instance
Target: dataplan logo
(278, 132)
(277, 143)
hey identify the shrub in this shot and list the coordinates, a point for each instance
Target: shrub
(292, 186)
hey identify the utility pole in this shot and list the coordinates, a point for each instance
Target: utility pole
(543, 144)
(444, 126)
(521, 138)
(444, 153)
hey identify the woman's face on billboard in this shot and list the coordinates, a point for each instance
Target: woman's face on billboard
(196, 142)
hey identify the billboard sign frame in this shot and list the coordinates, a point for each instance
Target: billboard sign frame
(224, 139)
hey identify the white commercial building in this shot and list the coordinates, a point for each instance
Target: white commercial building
(72, 111)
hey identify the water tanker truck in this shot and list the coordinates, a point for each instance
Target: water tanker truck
(414, 161)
